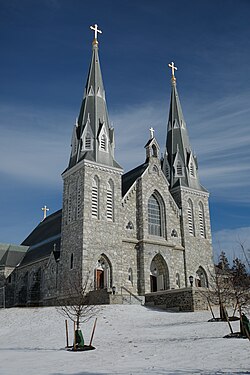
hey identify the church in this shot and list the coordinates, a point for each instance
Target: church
(140, 235)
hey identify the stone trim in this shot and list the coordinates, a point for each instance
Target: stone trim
(190, 191)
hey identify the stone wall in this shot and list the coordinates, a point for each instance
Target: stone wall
(186, 299)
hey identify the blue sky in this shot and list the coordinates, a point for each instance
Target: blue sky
(45, 54)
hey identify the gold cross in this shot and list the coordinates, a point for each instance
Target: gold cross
(95, 28)
(173, 68)
(45, 209)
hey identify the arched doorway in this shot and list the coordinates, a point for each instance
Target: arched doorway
(103, 273)
(201, 278)
(159, 277)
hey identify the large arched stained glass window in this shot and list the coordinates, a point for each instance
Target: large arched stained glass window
(154, 216)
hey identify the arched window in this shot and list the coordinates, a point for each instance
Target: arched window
(154, 151)
(190, 213)
(177, 277)
(110, 200)
(201, 278)
(167, 170)
(69, 208)
(130, 275)
(95, 198)
(154, 216)
(202, 221)
(103, 142)
(191, 169)
(79, 200)
(88, 145)
(71, 261)
(179, 171)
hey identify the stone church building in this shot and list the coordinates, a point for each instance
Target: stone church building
(143, 233)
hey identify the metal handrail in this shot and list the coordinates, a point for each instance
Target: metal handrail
(131, 294)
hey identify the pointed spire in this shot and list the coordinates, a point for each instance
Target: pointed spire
(94, 140)
(182, 165)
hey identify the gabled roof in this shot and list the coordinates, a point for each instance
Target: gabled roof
(11, 255)
(130, 177)
(49, 227)
(44, 239)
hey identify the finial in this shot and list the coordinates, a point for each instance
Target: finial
(151, 132)
(95, 29)
(173, 69)
(45, 209)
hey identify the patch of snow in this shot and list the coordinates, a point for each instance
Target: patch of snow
(128, 340)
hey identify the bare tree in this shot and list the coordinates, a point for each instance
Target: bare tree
(76, 305)
(240, 282)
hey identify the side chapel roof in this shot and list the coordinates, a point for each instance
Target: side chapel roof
(44, 239)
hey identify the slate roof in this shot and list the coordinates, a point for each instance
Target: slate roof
(130, 177)
(11, 255)
(43, 239)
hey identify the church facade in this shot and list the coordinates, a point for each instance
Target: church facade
(144, 232)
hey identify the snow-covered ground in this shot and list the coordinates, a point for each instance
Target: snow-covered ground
(128, 340)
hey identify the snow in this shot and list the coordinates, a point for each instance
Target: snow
(128, 340)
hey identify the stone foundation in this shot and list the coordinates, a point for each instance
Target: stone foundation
(186, 299)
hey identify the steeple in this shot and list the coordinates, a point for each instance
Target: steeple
(179, 163)
(93, 137)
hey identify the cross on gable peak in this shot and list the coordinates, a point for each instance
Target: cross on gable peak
(45, 209)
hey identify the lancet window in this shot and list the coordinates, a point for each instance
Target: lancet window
(110, 200)
(190, 213)
(95, 198)
(103, 142)
(154, 216)
(202, 221)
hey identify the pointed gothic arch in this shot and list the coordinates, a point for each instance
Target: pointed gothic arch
(88, 141)
(95, 197)
(156, 215)
(201, 279)
(79, 197)
(103, 274)
(202, 226)
(190, 214)
(110, 200)
(159, 275)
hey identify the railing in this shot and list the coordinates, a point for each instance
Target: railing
(131, 295)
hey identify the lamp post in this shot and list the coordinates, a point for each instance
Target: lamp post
(191, 280)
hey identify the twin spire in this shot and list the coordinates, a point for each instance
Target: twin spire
(93, 137)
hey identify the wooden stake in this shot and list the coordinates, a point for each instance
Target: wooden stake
(210, 307)
(93, 331)
(67, 333)
(228, 322)
(74, 335)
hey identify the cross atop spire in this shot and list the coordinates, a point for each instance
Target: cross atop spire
(173, 68)
(95, 29)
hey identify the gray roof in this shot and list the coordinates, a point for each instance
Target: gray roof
(178, 146)
(93, 119)
(130, 177)
(11, 255)
(44, 239)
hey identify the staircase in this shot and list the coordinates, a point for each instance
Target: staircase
(129, 298)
